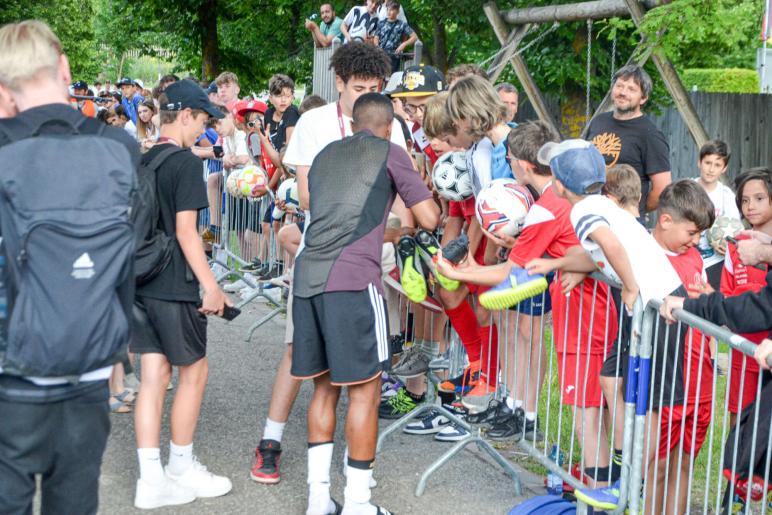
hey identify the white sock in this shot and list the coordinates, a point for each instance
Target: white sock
(180, 457)
(319, 460)
(273, 430)
(150, 468)
(530, 415)
(430, 348)
(518, 403)
(510, 403)
(357, 490)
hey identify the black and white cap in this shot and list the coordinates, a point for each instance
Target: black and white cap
(185, 94)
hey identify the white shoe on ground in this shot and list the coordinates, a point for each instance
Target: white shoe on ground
(166, 493)
(200, 481)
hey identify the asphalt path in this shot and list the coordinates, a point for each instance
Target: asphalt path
(232, 418)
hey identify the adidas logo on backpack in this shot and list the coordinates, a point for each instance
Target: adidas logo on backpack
(83, 267)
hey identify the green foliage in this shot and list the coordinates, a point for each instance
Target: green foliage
(722, 80)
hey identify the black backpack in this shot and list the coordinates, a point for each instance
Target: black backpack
(154, 246)
(68, 244)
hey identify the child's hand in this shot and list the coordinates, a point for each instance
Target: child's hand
(763, 352)
(667, 307)
(699, 287)
(570, 280)
(444, 266)
(720, 248)
(541, 266)
(629, 295)
(502, 240)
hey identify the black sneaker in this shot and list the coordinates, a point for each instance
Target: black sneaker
(456, 249)
(494, 413)
(398, 405)
(428, 246)
(396, 343)
(273, 273)
(529, 429)
(252, 266)
(265, 468)
(506, 428)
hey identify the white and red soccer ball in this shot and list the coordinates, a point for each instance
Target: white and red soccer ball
(501, 207)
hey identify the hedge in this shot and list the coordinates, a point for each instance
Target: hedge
(721, 80)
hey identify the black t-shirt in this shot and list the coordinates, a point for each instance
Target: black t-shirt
(180, 188)
(277, 131)
(636, 142)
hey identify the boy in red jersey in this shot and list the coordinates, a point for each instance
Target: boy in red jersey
(548, 230)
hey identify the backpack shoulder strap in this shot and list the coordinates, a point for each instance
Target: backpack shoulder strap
(165, 154)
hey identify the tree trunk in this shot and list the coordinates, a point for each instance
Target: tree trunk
(210, 48)
(440, 51)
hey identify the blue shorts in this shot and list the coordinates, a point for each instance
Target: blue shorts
(536, 306)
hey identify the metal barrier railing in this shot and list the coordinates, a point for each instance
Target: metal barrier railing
(705, 462)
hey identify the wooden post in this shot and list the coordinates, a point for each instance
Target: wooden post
(594, 10)
(673, 84)
(521, 70)
(500, 62)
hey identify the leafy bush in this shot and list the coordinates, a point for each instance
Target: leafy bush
(722, 80)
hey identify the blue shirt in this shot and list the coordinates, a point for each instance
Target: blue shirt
(132, 105)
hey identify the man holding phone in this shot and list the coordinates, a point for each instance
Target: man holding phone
(170, 317)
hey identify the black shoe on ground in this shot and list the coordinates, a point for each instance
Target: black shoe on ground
(265, 468)
(396, 343)
(495, 412)
(506, 428)
(253, 266)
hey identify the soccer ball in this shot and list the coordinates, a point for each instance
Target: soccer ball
(723, 226)
(232, 184)
(451, 178)
(288, 193)
(252, 182)
(501, 207)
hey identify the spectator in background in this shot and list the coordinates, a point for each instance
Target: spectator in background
(109, 86)
(97, 87)
(87, 107)
(211, 92)
(383, 11)
(508, 94)
(166, 80)
(361, 22)
(326, 32)
(118, 117)
(147, 132)
(394, 35)
(130, 98)
(627, 136)
(227, 87)
(462, 70)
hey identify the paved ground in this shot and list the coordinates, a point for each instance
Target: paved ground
(231, 424)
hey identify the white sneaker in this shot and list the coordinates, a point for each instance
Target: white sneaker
(234, 286)
(218, 269)
(246, 292)
(166, 493)
(200, 481)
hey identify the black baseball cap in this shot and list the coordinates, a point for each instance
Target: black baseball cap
(125, 82)
(81, 84)
(212, 88)
(420, 81)
(187, 94)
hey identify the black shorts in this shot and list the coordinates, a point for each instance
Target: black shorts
(345, 333)
(175, 329)
(268, 214)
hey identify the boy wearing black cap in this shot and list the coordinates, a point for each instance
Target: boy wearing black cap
(170, 319)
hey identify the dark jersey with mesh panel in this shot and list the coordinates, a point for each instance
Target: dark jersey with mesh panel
(352, 184)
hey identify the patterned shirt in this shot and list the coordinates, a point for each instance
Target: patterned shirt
(391, 33)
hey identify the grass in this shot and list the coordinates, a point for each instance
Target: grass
(556, 422)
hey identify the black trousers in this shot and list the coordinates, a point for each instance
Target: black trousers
(63, 441)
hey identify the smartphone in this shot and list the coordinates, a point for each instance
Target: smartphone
(731, 240)
(229, 313)
(218, 151)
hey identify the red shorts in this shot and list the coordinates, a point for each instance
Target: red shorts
(585, 392)
(749, 384)
(693, 437)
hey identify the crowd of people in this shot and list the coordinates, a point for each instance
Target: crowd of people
(372, 233)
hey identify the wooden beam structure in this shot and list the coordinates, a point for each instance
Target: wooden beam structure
(500, 62)
(594, 10)
(673, 83)
(521, 70)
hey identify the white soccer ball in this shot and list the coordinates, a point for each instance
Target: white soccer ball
(288, 193)
(501, 207)
(252, 182)
(451, 177)
(723, 226)
(232, 183)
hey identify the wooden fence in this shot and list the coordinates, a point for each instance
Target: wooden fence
(744, 121)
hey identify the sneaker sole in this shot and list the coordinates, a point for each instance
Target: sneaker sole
(410, 373)
(452, 439)
(428, 256)
(264, 480)
(424, 431)
(476, 404)
(162, 504)
(508, 298)
(413, 282)
(594, 502)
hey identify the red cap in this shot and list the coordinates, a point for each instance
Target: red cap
(243, 107)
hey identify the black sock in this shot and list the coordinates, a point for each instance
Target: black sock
(415, 397)
(361, 464)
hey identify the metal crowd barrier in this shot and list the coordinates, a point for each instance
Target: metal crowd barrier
(729, 473)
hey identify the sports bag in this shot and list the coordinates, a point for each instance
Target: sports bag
(68, 244)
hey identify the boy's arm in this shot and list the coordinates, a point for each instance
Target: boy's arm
(617, 258)
(214, 299)
(470, 272)
(575, 260)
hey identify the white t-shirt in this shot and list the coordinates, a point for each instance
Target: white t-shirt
(478, 162)
(131, 129)
(318, 128)
(360, 22)
(236, 144)
(723, 199)
(653, 272)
